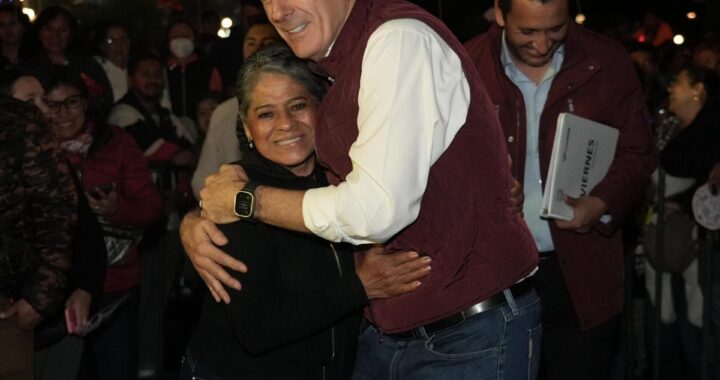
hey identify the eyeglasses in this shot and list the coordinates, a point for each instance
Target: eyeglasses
(70, 103)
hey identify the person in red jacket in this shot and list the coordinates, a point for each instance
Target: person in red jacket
(416, 159)
(536, 64)
(120, 190)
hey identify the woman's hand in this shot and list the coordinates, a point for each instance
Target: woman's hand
(200, 238)
(27, 316)
(714, 178)
(103, 200)
(387, 275)
(79, 301)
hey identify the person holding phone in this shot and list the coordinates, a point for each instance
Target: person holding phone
(121, 192)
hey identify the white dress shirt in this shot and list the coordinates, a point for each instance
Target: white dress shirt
(221, 145)
(118, 77)
(413, 99)
(534, 97)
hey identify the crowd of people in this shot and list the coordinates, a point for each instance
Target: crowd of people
(359, 197)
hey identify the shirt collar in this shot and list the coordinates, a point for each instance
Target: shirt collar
(515, 74)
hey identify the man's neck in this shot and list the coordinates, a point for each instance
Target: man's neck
(57, 58)
(535, 74)
(150, 105)
(119, 63)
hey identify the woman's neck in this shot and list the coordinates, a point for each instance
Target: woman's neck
(687, 115)
(11, 52)
(57, 58)
(120, 63)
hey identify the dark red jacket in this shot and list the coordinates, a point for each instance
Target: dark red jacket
(117, 159)
(596, 81)
(466, 222)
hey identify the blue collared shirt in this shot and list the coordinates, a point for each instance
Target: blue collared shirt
(534, 97)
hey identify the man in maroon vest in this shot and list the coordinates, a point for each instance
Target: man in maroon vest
(536, 64)
(418, 162)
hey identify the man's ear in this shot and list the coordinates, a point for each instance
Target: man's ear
(499, 18)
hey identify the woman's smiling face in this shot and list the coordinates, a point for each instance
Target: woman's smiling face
(281, 121)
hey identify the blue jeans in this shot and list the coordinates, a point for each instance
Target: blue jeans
(502, 343)
(191, 370)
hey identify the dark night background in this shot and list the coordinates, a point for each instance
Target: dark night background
(463, 15)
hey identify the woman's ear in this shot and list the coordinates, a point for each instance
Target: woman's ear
(699, 89)
(247, 131)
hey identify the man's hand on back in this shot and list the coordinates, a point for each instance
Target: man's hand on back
(200, 238)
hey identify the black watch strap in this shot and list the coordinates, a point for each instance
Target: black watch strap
(245, 201)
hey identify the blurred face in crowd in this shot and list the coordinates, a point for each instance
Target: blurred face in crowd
(147, 80)
(259, 36)
(67, 107)
(116, 46)
(30, 90)
(533, 30)
(708, 58)
(644, 61)
(308, 26)
(10, 28)
(683, 93)
(281, 121)
(204, 111)
(248, 12)
(55, 36)
(182, 40)
(181, 30)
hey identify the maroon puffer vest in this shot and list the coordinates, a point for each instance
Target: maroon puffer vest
(466, 223)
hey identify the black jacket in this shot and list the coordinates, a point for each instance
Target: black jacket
(297, 315)
(695, 150)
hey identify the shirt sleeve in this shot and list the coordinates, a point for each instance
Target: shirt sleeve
(413, 99)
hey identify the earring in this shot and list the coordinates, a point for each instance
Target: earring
(696, 97)
(250, 144)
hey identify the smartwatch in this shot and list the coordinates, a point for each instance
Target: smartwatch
(245, 201)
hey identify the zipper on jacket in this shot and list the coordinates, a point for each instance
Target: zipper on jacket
(332, 328)
(516, 165)
(337, 260)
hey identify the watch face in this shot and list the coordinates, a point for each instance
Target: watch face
(244, 204)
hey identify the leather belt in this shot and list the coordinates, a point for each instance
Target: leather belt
(519, 289)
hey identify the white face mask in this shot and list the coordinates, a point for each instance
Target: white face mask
(181, 47)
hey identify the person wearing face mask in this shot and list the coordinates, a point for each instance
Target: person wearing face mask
(189, 75)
